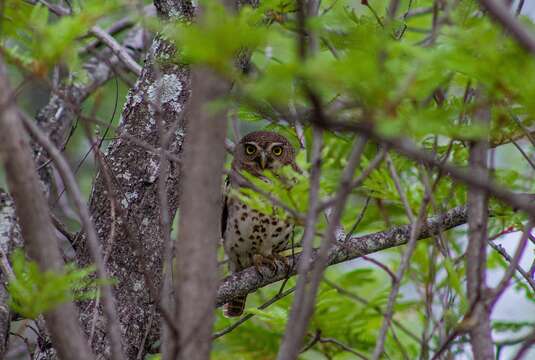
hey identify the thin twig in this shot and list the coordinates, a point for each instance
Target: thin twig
(375, 308)
(508, 258)
(397, 183)
(117, 49)
(265, 305)
(525, 346)
(528, 158)
(519, 7)
(343, 346)
(359, 219)
(411, 246)
(302, 311)
(514, 263)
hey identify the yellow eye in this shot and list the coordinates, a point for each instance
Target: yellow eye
(250, 149)
(277, 150)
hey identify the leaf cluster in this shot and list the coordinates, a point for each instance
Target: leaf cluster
(33, 291)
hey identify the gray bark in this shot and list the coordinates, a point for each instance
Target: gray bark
(136, 249)
(135, 252)
(57, 117)
(10, 238)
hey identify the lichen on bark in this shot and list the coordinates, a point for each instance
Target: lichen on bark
(135, 248)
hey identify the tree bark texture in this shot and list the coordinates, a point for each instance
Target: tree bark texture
(10, 239)
(132, 241)
(36, 225)
(57, 117)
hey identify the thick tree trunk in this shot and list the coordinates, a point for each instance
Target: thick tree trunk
(132, 241)
(57, 117)
(131, 237)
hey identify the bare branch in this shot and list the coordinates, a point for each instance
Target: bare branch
(513, 265)
(397, 183)
(525, 346)
(308, 236)
(508, 258)
(36, 225)
(403, 266)
(117, 49)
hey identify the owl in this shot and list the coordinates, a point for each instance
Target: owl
(251, 238)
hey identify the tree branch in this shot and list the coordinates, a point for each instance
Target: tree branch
(249, 280)
(307, 288)
(36, 225)
(513, 265)
(200, 216)
(117, 49)
(407, 148)
(83, 211)
(507, 257)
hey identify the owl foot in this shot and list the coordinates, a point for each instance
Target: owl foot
(282, 260)
(265, 265)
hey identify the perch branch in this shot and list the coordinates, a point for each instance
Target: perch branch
(249, 280)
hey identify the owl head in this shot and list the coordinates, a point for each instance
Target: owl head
(263, 150)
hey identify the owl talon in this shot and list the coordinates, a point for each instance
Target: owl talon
(282, 260)
(265, 265)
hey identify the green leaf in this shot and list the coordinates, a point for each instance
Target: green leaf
(34, 292)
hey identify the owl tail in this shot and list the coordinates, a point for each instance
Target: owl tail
(235, 307)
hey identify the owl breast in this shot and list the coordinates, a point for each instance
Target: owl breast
(249, 232)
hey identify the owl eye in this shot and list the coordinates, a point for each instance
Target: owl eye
(250, 149)
(277, 150)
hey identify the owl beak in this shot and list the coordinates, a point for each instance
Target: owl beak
(263, 160)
